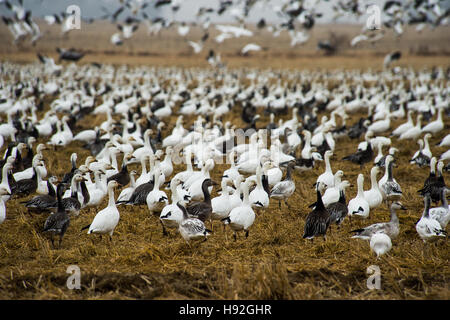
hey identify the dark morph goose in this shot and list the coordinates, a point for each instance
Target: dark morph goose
(338, 210)
(44, 202)
(202, 209)
(69, 55)
(361, 156)
(318, 220)
(59, 222)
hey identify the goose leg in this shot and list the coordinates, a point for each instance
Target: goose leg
(51, 239)
(60, 241)
(246, 234)
(235, 237)
(279, 204)
(163, 228)
(285, 201)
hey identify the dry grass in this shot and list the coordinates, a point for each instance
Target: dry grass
(273, 263)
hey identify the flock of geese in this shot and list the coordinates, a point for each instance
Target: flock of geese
(295, 17)
(137, 104)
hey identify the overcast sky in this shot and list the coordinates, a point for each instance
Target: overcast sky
(92, 8)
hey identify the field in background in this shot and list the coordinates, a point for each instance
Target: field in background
(274, 262)
(428, 48)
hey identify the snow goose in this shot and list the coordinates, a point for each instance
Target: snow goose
(428, 229)
(374, 196)
(106, 220)
(258, 197)
(5, 182)
(59, 222)
(380, 243)
(327, 177)
(122, 177)
(404, 126)
(156, 199)
(361, 156)
(146, 149)
(390, 228)
(232, 172)
(221, 205)
(434, 183)
(419, 157)
(202, 209)
(44, 202)
(414, 132)
(331, 194)
(445, 142)
(126, 193)
(171, 215)
(97, 190)
(166, 165)
(359, 206)
(380, 126)
(382, 162)
(195, 184)
(338, 210)
(318, 219)
(436, 125)
(284, 189)
(426, 145)
(72, 203)
(242, 217)
(3, 192)
(25, 187)
(191, 228)
(442, 213)
(389, 187)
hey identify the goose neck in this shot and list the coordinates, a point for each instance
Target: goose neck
(111, 201)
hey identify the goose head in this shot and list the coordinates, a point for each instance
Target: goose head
(112, 184)
(397, 205)
(345, 184)
(4, 191)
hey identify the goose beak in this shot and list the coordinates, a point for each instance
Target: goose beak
(403, 208)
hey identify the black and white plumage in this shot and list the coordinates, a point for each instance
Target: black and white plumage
(389, 187)
(391, 57)
(361, 156)
(442, 214)
(191, 228)
(69, 55)
(284, 189)
(338, 210)
(318, 220)
(59, 222)
(390, 228)
(434, 183)
(44, 202)
(202, 209)
(428, 228)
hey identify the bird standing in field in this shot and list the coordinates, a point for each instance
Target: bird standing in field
(59, 222)
(318, 220)
(107, 219)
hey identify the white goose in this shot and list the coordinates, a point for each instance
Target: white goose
(442, 214)
(436, 125)
(3, 192)
(374, 196)
(171, 215)
(156, 199)
(404, 126)
(242, 217)
(126, 193)
(327, 177)
(259, 197)
(359, 206)
(106, 220)
(428, 229)
(380, 243)
(222, 205)
(414, 132)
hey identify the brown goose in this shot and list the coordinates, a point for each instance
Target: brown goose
(202, 209)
